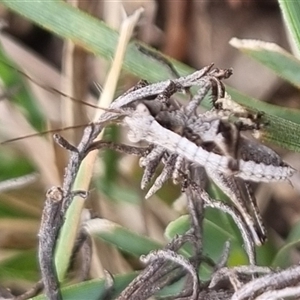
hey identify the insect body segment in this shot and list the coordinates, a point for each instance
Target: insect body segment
(214, 140)
(143, 127)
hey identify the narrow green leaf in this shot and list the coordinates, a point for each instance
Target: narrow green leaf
(214, 237)
(13, 84)
(290, 10)
(94, 289)
(12, 165)
(88, 32)
(289, 114)
(272, 56)
(121, 237)
(21, 266)
(282, 124)
(283, 257)
(282, 132)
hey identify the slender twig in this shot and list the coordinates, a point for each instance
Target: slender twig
(178, 259)
(52, 220)
(274, 281)
(50, 226)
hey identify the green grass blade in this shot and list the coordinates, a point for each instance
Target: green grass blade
(214, 236)
(288, 114)
(93, 289)
(272, 56)
(16, 89)
(88, 32)
(283, 124)
(282, 132)
(20, 266)
(121, 237)
(291, 14)
(284, 256)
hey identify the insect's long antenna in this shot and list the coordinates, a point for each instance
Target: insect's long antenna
(42, 133)
(107, 120)
(52, 89)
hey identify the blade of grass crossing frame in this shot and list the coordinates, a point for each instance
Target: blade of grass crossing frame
(284, 64)
(291, 14)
